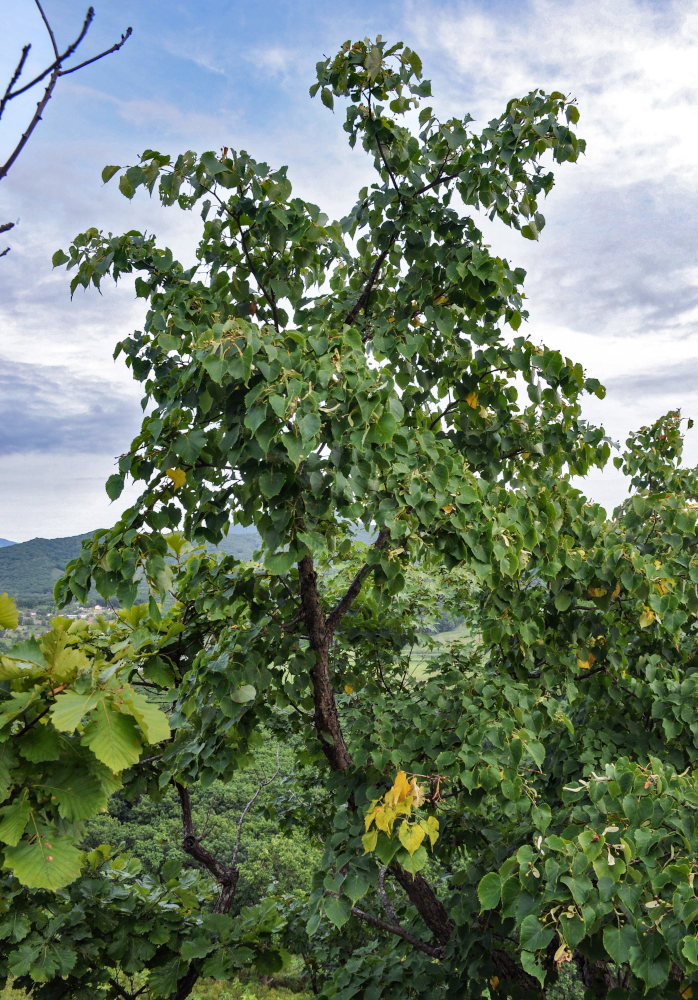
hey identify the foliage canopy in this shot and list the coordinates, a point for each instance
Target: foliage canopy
(525, 801)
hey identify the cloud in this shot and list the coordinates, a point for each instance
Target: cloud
(48, 408)
(632, 65)
(664, 382)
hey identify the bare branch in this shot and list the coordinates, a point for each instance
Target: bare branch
(48, 28)
(56, 64)
(53, 72)
(107, 52)
(344, 604)
(3, 229)
(191, 843)
(260, 786)
(15, 77)
(32, 125)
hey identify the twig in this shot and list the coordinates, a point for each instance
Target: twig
(363, 298)
(368, 918)
(15, 77)
(54, 71)
(262, 784)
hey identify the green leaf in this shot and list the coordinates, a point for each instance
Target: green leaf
(279, 563)
(327, 98)
(59, 258)
(112, 737)
(29, 652)
(563, 600)
(149, 717)
(126, 187)
(108, 172)
(533, 935)
(650, 962)
(532, 967)
(79, 794)
(46, 863)
(530, 231)
(69, 708)
(244, 694)
(13, 821)
(373, 61)
(114, 486)
(414, 863)
(356, 885)
(489, 891)
(618, 941)
(198, 946)
(338, 910)
(537, 751)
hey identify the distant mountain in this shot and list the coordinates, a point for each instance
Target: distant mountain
(5, 541)
(29, 570)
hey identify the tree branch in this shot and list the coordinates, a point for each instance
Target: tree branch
(269, 296)
(383, 157)
(363, 298)
(326, 718)
(226, 875)
(54, 71)
(345, 603)
(262, 784)
(107, 52)
(56, 64)
(15, 77)
(368, 918)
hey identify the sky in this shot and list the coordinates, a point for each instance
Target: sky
(613, 281)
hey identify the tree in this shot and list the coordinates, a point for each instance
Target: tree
(527, 798)
(51, 74)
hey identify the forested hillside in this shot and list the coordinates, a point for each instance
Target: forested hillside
(29, 570)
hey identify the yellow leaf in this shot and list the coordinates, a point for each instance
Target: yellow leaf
(401, 788)
(441, 300)
(411, 836)
(369, 840)
(348, 689)
(372, 813)
(8, 612)
(448, 508)
(647, 616)
(616, 590)
(430, 825)
(178, 477)
(597, 591)
(563, 954)
(418, 795)
(471, 400)
(687, 993)
(585, 664)
(385, 819)
(494, 982)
